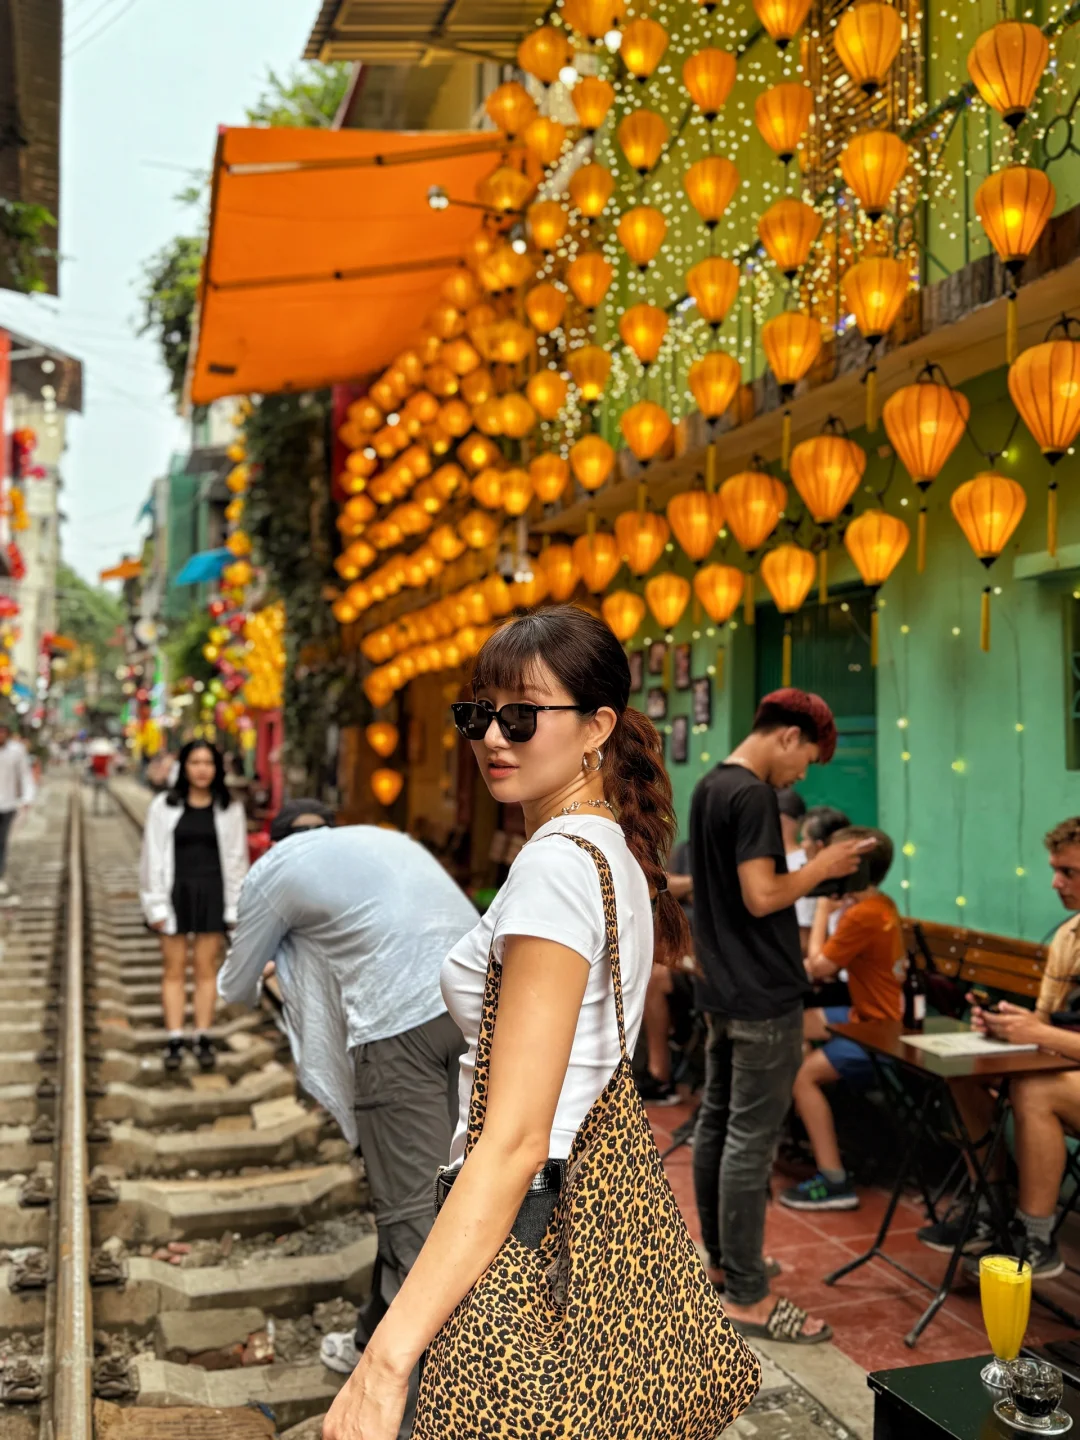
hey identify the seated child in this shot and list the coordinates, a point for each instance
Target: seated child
(868, 944)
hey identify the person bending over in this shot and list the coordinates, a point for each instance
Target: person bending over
(868, 944)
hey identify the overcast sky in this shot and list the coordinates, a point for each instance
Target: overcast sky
(146, 83)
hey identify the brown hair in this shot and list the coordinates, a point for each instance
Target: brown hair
(880, 855)
(585, 657)
(1067, 833)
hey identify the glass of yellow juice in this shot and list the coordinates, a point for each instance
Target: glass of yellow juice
(1005, 1291)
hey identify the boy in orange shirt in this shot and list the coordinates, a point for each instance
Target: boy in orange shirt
(868, 944)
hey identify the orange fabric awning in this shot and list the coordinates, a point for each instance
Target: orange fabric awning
(324, 254)
(126, 570)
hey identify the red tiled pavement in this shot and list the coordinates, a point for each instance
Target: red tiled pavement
(872, 1309)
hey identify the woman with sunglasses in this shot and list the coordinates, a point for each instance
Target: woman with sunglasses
(551, 731)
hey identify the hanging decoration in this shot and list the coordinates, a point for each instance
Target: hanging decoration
(988, 509)
(925, 422)
(598, 560)
(826, 471)
(624, 612)
(1006, 63)
(782, 115)
(641, 537)
(561, 571)
(788, 572)
(709, 75)
(1013, 206)
(792, 342)
(867, 41)
(667, 597)
(1044, 383)
(646, 428)
(876, 541)
(753, 502)
(781, 19)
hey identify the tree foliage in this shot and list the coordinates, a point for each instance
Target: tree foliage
(23, 245)
(184, 648)
(94, 617)
(308, 97)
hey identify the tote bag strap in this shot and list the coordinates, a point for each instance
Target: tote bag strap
(489, 1009)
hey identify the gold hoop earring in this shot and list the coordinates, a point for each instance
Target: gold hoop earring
(599, 760)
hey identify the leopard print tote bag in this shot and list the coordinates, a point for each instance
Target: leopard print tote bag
(611, 1329)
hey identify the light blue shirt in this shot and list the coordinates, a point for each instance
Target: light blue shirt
(358, 921)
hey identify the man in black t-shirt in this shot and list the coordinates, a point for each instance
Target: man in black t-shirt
(746, 939)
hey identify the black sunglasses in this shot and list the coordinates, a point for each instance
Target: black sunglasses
(517, 721)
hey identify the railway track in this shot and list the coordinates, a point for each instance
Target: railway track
(173, 1246)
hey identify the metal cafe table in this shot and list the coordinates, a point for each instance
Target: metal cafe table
(919, 1082)
(945, 1402)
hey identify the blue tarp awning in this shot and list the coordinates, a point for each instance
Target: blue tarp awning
(205, 565)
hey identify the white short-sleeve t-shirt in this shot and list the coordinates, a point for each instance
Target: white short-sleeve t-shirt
(553, 891)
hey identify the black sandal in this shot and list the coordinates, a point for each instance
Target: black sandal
(785, 1325)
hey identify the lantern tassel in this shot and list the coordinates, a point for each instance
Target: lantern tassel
(785, 666)
(718, 679)
(710, 468)
(874, 635)
(871, 399)
(785, 441)
(823, 578)
(590, 521)
(1052, 519)
(748, 600)
(984, 621)
(1012, 330)
(920, 542)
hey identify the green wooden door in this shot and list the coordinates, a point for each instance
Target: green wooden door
(831, 656)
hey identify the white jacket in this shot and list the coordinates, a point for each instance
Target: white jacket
(157, 868)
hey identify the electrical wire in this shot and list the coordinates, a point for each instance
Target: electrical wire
(109, 22)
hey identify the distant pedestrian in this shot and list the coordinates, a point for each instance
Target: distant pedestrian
(194, 859)
(101, 756)
(17, 791)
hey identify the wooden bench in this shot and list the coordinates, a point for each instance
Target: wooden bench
(973, 957)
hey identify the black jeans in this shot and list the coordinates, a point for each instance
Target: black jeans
(750, 1068)
(7, 819)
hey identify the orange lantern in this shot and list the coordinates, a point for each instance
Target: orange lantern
(667, 597)
(988, 509)
(477, 387)
(641, 136)
(510, 108)
(462, 360)
(826, 471)
(592, 460)
(641, 232)
(624, 612)
(643, 328)
(589, 276)
(543, 53)
(752, 502)
(548, 223)
(643, 44)
(710, 183)
(696, 518)
(788, 572)
(544, 139)
(709, 76)
(382, 737)
(446, 543)
(546, 391)
(590, 189)
(788, 229)
(873, 163)
(486, 489)
(593, 18)
(455, 417)
(592, 98)
(924, 423)
(874, 291)
(590, 366)
(518, 416)
(1006, 63)
(646, 428)
(1045, 387)
(782, 115)
(488, 416)
(386, 786)
(517, 491)
(549, 476)
(641, 537)
(344, 612)
(545, 306)
(446, 321)
(460, 289)
(561, 571)
(366, 414)
(478, 529)
(792, 342)
(867, 41)
(505, 190)
(496, 594)
(781, 18)
(527, 594)
(713, 283)
(719, 588)
(876, 541)
(511, 341)
(598, 560)
(713, 381)
(1013, 206)
(448, 480)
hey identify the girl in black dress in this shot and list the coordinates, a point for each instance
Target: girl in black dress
(193, 862)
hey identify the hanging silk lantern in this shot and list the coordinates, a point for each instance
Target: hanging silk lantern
(643, 328)
(592, 460)
(719, 588)
(787, 230)
(696, 519)
(713, 381)
(511, 341)
(547, 391)
(593, 18)
(924, 423)
(792, 342)
(366, 414)
(543, 53)
(486, 489)
(510, 108)
(876, 541)
(643, 44)
(592, 98)
(550, 474)
(641, 232)
(1045, 387)
(527, 594)
(781, 18)
(344, 612)
(497, 595)
(874, 291)
(462, 359)
(590, 189)
(460, 290)
(826, 471)
(752, 502)
(386, 786)
(710, 183)
(713, 283)
(598, 560)
(505, 191)
(709, 76)
(517, 492)
(383, 738)
(623, 611)
(478, 529)
(641, 537)
(1006, 63)
(518, 416)
(455, 418)
(545, 306)
(646, 428)
(667, 597)
(988, 509)
(873, 163)
(561, 571)
(641, 135)
(1013, 206)
(478, 387)
(545, 138)
(548, 222)
(867, 41)
(781, 115)
(488, 416)
(788, 572)
(589, 277)
(590, 366)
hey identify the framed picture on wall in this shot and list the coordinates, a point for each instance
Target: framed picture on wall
(656, 704)
(680, 739)
(701, 700)
(637, 669)
(657, 651)
(682, 667)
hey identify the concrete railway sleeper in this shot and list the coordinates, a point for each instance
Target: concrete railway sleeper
(172, 1246)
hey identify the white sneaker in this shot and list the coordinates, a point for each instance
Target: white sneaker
(5, 889)
(338, 1351)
